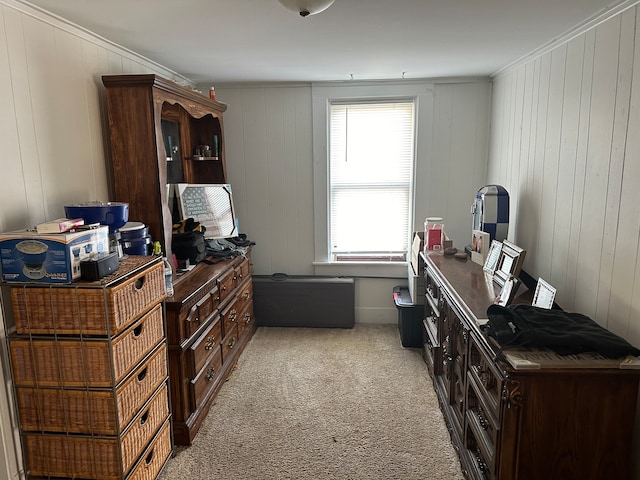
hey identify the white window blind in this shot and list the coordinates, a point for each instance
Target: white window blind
(371, 149)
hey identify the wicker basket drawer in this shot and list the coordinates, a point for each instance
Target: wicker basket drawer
(155, 456)
(75, 456)
(229, 343)
(199, 352)
(91, 411)
(91, 362)
(87, 311)
(206, 378)
(144, 426)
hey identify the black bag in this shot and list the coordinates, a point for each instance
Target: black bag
(189, 246)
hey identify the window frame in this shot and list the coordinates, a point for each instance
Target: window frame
(323, 94)
(373, 104)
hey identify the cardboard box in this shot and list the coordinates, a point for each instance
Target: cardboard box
(27, 256)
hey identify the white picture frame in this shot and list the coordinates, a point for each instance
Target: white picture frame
(508, 291)
(544, 295)
(492, 257)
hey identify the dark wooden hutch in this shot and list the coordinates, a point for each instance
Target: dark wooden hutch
(155, 128)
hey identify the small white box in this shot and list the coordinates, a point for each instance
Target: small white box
(416, 247)
(416, 286)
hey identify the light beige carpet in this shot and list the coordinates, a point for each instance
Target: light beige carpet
(323, 404)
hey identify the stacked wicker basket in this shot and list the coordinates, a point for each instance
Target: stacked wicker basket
(89, 364)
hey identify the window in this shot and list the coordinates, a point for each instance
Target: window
(371, 158)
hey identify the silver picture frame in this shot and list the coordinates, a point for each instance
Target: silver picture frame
(509, 262)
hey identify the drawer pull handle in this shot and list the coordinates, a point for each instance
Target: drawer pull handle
(210, 374)
(210, 342)
(144, 418)
(142, 374)
(149, 457)
(246, 295)
(137, 331)
(139, 283)
(232, 315)
(232, 342)
(247, 319)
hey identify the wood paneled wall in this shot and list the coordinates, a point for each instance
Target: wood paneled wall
(52, 135)
(565, 144)
(268, 142)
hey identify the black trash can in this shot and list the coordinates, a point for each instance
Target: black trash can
(410, 318)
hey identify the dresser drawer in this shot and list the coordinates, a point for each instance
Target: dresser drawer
(229, 343)
(486, 379)
(245, 295)
(202, 311)
(199, 352)
(87, 410)
(226, 284)
(229, 317)
(206, 378)
(243, 270)
(86, 310)
(92, 362)
(246, 318)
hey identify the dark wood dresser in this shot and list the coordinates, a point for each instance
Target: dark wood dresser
(157, 131)
(210, 321)
(551, 418)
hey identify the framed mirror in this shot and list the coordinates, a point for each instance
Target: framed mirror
(509, 262)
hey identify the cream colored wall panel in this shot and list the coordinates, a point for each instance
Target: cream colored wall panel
(616, 164)
(62, 143)
(575, 234)
(278, 178)
(302, 159)
(439, 180)
(572, 87)
(581, 164)
(466, 164)
(10, 218)
(624, 306)
(550, 161)
(21, 72)
(257, 177)
(520, 230)
(533, 258)
(598, 156)
(96, 121)
(513, 163)
(270, 128)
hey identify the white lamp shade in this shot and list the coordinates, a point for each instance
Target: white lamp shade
(306, 7)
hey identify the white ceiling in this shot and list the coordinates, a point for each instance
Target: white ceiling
(220, 41)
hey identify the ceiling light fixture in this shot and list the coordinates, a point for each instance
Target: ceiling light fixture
(307, 7)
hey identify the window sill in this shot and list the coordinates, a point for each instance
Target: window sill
(362, 269)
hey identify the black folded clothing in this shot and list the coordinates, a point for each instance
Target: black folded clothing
(241, 240)
(563, 332)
